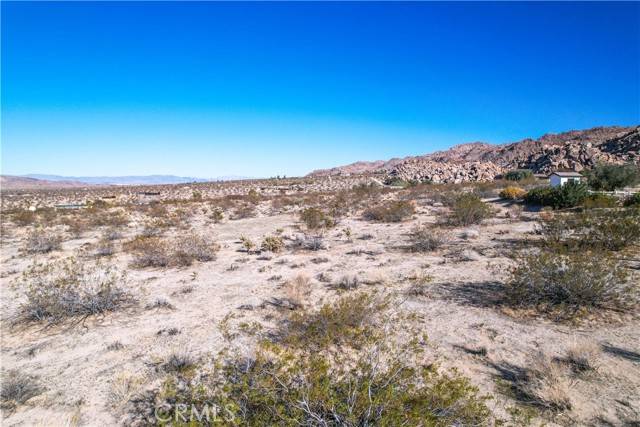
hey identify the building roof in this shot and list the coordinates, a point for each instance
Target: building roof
(568, 174)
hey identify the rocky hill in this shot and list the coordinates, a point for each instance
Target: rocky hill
(480, 161)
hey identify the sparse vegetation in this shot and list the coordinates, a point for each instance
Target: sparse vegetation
(567, 286)
(426, 239)
(469, 209)
(41, 241)
(315, 218)
(392, 211)
(71, 289)
(17, 387)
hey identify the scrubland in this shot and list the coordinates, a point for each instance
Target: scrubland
(319, 302)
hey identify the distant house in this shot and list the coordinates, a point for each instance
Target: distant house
(558, 179)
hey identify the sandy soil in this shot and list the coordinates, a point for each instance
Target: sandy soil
(469, 331)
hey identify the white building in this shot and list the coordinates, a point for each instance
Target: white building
(558, 179)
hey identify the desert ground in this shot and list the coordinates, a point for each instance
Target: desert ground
(88, 369)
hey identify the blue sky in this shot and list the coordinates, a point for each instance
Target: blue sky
(259, 89)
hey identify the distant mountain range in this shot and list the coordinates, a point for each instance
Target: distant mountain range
(131, 180)
(42, 181)
(479, 161)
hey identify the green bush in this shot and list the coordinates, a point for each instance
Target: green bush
(392, 211)
(305, 382)
(608, 177)
(569, 195)
(611, 230)
(569, 284)
(469, 209)
(315, 218)
(594, 201)
(518, 174)
(633, 200)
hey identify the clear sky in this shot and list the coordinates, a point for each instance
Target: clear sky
(259, 89)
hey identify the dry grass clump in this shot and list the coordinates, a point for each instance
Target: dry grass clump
(569, 285)
(104, 248)
(124, 387)
(392, 211)
(468, 209)
(111, 218)
(547, 384)
(17, 387)
(40, 241)
(584, 356)
(244, 210)
(348, 283)
(424, 238)
(272, 244)
(297, 289)
(71, 289)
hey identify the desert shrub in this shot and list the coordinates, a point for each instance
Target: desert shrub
(253, 196)
(190, 248)
(351, 321)
(272, 244)
(24, 217)
(217, 215)
(518, 174)
(245, 210)
(42, 241)
(633, 200)
(104, 248)
(611, 230)
(469, 209)
(315, 218)
(17, 387)
(148, 252)
(512, 193)
(247, 243)
(309, 243)
(348, 283)
(68, 288)
(594, 201)
(608, 177)
(567, 285)
(99, 218)
(426, 239)
(392, 211)
(383, 383)
(568, 195)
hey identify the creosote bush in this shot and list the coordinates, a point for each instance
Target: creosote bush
(71, 289)
(391, 211)
(599, 201)
(600, 230)
(426, 239)
(315, 218)
(568, 285)
(518, 175)
(42, 241)
(569, 195)
(181, 252)
(301, 381)
(469, 209)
